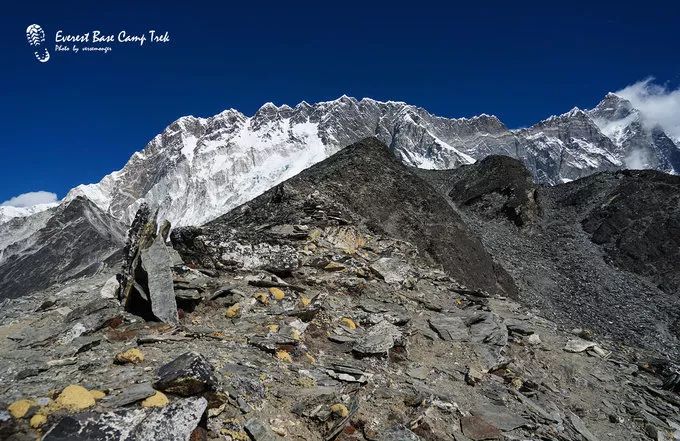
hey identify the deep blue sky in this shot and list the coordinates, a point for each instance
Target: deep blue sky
(79, 116)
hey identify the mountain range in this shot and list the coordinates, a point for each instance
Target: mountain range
(200, 168)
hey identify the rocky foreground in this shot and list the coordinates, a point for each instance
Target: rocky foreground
(318, 311)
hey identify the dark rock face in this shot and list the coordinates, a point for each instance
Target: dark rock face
(601, 252)
(187, 375)
(635, 217)
(77, 240)
(501, 176)
(363, 184)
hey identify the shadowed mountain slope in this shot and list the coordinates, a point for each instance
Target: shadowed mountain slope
(601, 252)
(366, 185)
(75, 240)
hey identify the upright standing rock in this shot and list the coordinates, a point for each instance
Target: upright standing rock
(156, 263)
(146, 281)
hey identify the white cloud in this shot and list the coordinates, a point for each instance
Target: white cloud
(31, 198)
(657, 103)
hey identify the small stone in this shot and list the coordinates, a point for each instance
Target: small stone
(189, 374)
(533, 340)
(379, 339)
(133, 356)
(19, 408)
(110, 288)
(233, 311)
(277, 293)
(348, 323)
(37, 420)
(258, 431)
(578, 345)
(159, 399)
(391, 270)
(473, 376)
(284, 356)
(74, 398)
(340, 410)
(334, 266)
(477, 429)
(132, 394)
(652, 431)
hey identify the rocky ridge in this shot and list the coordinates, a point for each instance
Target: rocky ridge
(304, 316)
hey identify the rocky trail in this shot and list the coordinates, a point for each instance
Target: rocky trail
(305, 316)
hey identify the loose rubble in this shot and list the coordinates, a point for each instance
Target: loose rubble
(383, 346)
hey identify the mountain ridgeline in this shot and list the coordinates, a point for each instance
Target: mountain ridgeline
(200, 168)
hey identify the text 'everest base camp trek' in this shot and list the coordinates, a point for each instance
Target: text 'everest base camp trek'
(354, 270)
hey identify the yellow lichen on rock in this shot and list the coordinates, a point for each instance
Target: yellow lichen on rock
(284, 356)
(340, 410)
(348, 323)
(310, 359)
(305, 301)
(236, 435)
(315, 234)
(159, 399)
(97, 394)
(75, 397)
(262, 298)
(295, 334)
(133, 355)
(277, 293)
(37, 420)
(273, 328)
(233, 311)
(19, 408)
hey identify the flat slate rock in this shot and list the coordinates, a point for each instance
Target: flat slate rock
(392, 270)
(378, 339)
(132, 394)
(450, 328)
(478, 429)
(258, 431)
(174, 422)
(500, 417)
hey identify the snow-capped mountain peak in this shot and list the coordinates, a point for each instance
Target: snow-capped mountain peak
(200, 167)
